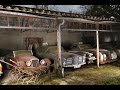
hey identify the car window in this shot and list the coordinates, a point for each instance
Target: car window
(54, 49)
(22, 52)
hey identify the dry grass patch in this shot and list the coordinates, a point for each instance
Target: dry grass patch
(87, 75)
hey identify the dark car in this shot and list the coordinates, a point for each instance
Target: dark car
(83, 49)
(68, 59)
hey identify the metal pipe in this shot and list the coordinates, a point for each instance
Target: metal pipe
(59, 41)
(59, 63)
(97, 39)
(7, 63)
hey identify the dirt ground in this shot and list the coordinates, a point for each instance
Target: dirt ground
(108, 74)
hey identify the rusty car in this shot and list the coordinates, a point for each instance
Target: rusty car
(1, 70)
(106, 55)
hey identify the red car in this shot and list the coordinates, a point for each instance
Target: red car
(22, 58)
(1, 69)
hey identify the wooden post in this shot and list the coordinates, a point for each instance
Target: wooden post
(97, 38)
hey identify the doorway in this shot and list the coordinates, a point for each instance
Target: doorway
(33, 41)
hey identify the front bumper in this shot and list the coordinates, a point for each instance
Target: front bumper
(75, 66)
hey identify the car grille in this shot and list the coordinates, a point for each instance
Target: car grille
(69, 61)
(35, 63)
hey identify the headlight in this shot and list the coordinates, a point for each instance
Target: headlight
(80, 59)
(69, 61)
(42, 62)
(64, 63)
(28, 63)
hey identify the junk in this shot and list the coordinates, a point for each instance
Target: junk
(31, 71)
(24, 59)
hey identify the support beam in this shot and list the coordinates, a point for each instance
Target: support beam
(59, 42)
(97, 39)
(17, 27)
(59, 64)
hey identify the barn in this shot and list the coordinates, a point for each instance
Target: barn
(22, 27)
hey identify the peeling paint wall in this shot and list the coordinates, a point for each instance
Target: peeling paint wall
(15, 39)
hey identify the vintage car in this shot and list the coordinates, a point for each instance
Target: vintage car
(106, 55)
(82, 48)
(22, 58)
(68, 59)
(1, 72)
(110, 51)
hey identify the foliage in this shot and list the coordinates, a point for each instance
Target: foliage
(104, 10)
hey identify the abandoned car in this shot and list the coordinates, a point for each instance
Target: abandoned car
(1, 69)
(80, 48)
(105, 55)
(22, 58)
(68, 59)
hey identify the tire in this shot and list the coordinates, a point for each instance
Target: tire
(105, 57)
(61, 72)
(102, 58)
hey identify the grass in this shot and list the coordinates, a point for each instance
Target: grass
(108, 74)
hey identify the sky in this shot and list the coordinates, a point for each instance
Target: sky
(68, 7)
(64, 8)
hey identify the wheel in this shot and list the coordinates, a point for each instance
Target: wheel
(61, 72)
(102, 58)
